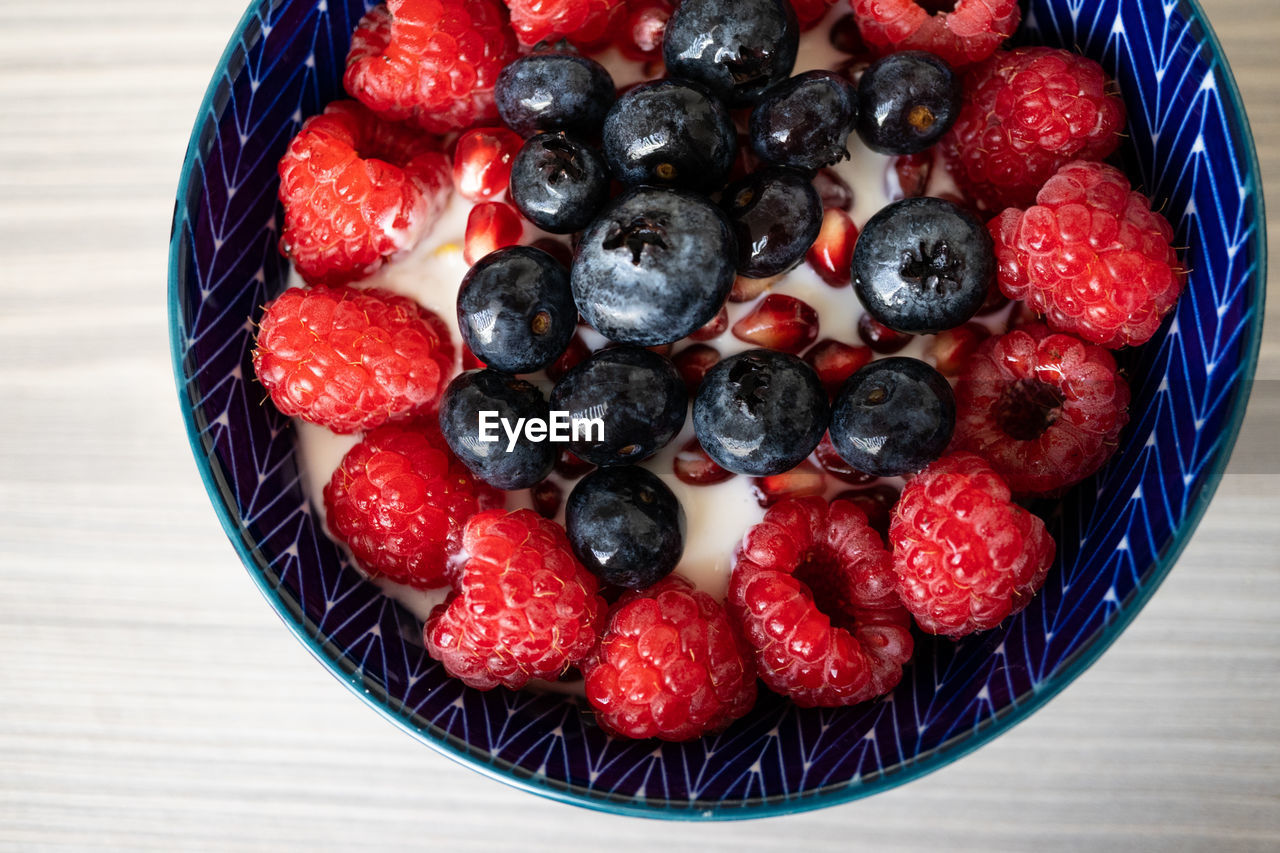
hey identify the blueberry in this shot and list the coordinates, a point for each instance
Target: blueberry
(776, 215)
(670, 133)
(558, 183)
(638, 395)
(906, 102)
(805, 121)
(625, 526)
(516, 311)
(737, 48)
(554, 91)
(760, 412)
(923, 265)
(656, 265)
(893, 417)
(510, 399)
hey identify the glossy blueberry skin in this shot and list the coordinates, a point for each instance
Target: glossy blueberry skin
(558, 183)
(639, 396)
(488, 390)
(656, 265)
(736, 48)
(906, 102)
(805, 122)
(516, 310)
(625, 526)
(923, 265)
(760, 412)
(893, 417)
(670, 133)
(776, 215)
(554, 91)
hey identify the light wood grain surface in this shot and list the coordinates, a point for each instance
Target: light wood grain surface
(150, 699)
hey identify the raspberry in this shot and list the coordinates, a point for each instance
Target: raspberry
(1026, 113)
(521, 607)
(1044, 409)
(813, 591)
(356, 191)
(669, 665)
(586, 23)
(433, 62)
(970, 32)
(399, 501)
(965, 556)
(1091, 256)
(351, 359)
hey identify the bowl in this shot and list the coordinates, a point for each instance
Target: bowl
(1119, 533)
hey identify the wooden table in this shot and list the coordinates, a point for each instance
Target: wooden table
(149, 698)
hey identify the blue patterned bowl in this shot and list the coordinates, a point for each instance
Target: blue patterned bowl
(1119, 534)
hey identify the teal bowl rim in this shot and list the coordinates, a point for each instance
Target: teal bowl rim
(962, 745)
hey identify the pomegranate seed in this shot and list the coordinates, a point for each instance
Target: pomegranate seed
(714, 329)
(745, 289)
(745, 161)
(801, 481)
(847, 38)
(492, 225)
(693, 363)
(908, 175)
(663, 350)
(831, 255)
(952, 348)
(833, 190)
(572, 356)
(641, 34)
(835, 362)
(779, 322)
(469, 360)
(570, 466)
(546, 498)
(482, 162)
(562, 253)
(877, 502)
(693, 466)
(880, 337)
(833, 464)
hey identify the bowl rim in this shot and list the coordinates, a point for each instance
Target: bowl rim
(944, 754)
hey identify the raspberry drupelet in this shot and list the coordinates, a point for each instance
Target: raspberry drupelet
(966, 557)
(960, 31)
(813, 591)
(586, 23)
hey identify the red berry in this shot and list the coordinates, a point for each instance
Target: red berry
(1091, 256)
(966, 557)
(746, 289)
(670, 665)
(571, 467)
(692, 465)
(399, 501)
(640, 36)
(995, 302)
(813, 591)
(357, 190)
(950, 350)
(573, 355)
(877, 502)
(1026, 113)
(835, 465)
(546, 497)
(831, 255)
(810, 12)
(779, 322)
(693, 362)
(469, 359)
(556, 249)
(714, 329)
(847, 38)
(833, 190)
(962, 32)
(586, 23)
(835, 362)
(350, 359)
(433, 63)
(1044, 409)
(908, 175)
(804, 480)
(482, 162)
(491, 225)
(880, 337)
(522, 606)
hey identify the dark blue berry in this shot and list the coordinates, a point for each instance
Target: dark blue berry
(516, 310)
(558, 183)
(510, 400)
(893, 417)
(906, 102)
(670, 133)
(805, 122)
(554, 91)
(760, 412)
(656, 265)
(625, 526)
(737, 48)
(637, 395)
(923, 265)
(776, 215)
